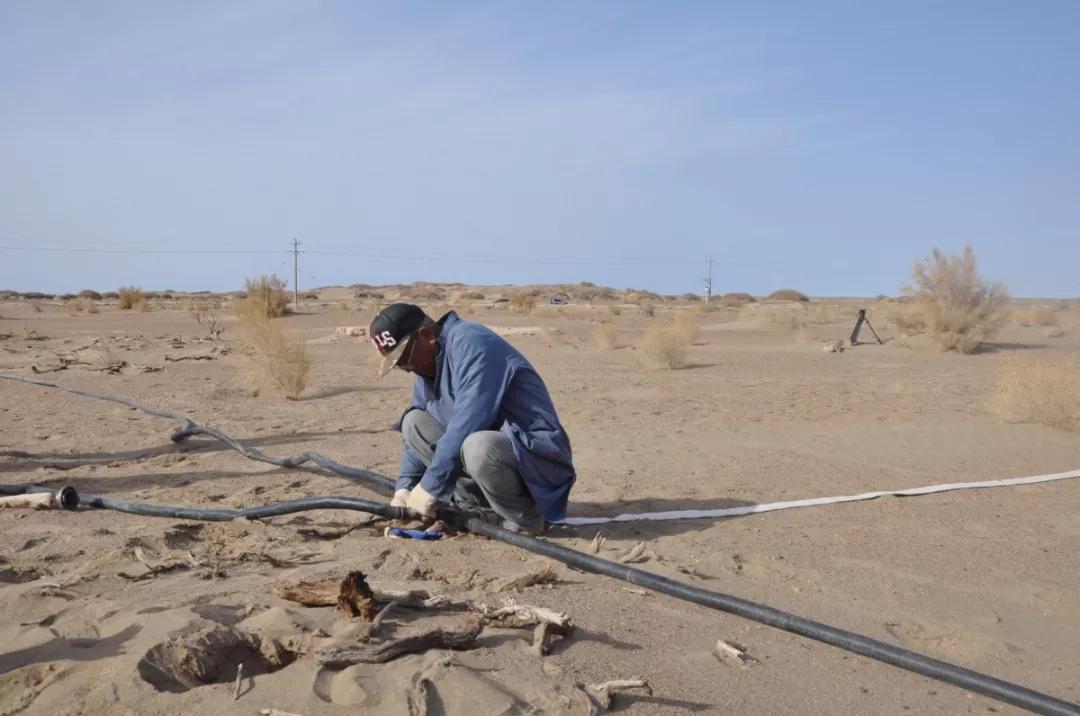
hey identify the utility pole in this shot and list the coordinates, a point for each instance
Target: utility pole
(296, 274)
(708, 278)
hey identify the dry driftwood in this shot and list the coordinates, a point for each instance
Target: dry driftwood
(35, 501)
(356, 599)
(155, 568)
(322, 593)
(462, 637)
(544, 575)
(601, 696)
(352, 594)
(635, 554)
(730, 652)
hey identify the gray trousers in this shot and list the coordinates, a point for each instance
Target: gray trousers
(492, 479)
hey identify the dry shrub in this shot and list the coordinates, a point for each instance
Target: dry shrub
(1037, 316)
(647, 308)
(1039, 390)
(522, 302)
(736, 299)
(73, 306)
(471, 296)
(1054, 332)
(89, 295)
(910, 323)
(788, 294)
(284, 360)
(960, 309)
(208, 319)
(615, 310)
(604, 336)
(130, 297)
(265, 296)
(686, 325)
(663, 348)
(822, 313)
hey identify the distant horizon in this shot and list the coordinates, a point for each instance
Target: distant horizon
(358, 284)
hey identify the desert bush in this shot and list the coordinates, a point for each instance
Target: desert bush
(472, 296)
(208, 319)
(110, 295)
(36, 296)
(1037, 316)
(690, 297)
(73, 306)
(67, 297)
(788, 294)
(604, 336)
(1054, 332)
(285, 361)
(822, 313)
(373, 295)
(130, 297)
(647, 308)
(522, 302)
(910, 323)
(264, 296)
(615, 309)
(960, 309)
(1039, 390)
(663, 348)
(636, 297)
(89, 295)
(90, 306)
(686, 325)
(736, 299)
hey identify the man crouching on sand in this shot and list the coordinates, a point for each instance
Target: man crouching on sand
(481, 431)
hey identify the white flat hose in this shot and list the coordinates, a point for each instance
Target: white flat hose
(814, 501)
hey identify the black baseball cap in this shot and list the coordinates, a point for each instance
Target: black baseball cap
(392, 329)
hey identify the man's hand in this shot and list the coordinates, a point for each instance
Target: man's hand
(421, 502)
(400, 498)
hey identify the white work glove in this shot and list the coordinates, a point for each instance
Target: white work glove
(421, 502)
(399, 498)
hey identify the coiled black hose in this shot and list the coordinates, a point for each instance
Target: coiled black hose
(995, 688)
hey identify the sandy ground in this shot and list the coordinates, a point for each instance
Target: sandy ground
(986, 579)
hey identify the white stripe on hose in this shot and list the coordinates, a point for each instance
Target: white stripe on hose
(813, 502)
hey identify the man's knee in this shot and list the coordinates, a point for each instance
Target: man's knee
(483, 451)
(410, 424)
(420, 432)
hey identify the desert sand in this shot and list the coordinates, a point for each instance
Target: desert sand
(986, 579)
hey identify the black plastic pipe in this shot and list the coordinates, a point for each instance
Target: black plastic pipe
(849, 641)
(995, 688)
(212, 514)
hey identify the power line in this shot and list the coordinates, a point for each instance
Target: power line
(52, 249)
(641, 261)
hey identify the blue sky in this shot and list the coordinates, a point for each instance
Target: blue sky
(822, 146)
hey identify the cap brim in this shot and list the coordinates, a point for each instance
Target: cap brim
(390, 359)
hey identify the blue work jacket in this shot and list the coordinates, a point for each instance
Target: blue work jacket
(483, 383)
